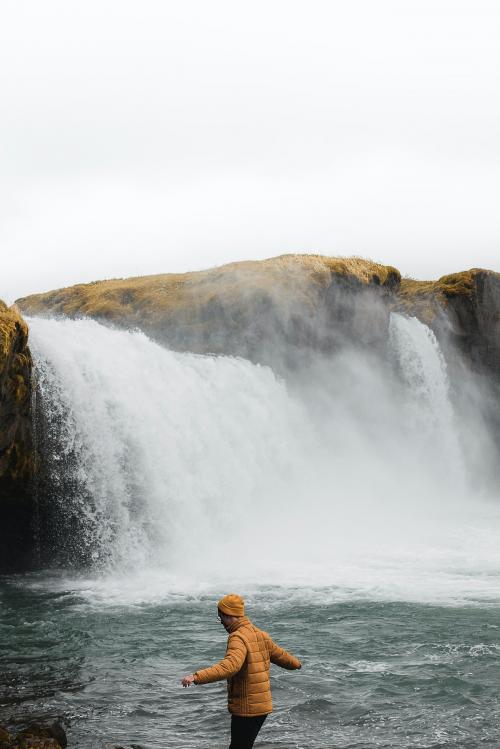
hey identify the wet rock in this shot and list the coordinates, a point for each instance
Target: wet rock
(5, 738)
(17, 459)
(35, 736)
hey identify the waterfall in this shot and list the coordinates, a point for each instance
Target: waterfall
(427, 405)
(157, 447)
(178, 461)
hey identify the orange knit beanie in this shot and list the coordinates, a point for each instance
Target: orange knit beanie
(232, 605)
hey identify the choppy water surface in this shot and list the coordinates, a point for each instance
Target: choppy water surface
(376, 673)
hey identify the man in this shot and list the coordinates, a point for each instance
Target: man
(246, 667)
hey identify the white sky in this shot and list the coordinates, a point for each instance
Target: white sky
(146, 137)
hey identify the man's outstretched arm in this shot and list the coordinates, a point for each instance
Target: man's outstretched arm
(282, 657)
(229, 666)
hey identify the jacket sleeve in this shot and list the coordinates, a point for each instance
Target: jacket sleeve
(281, 657)
(226, 668)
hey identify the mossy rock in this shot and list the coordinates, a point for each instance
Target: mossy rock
(17, 458)
(35, 736)
(5, 738)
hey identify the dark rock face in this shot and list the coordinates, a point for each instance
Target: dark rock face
(478, 320)
(35, 736)
(17, 458)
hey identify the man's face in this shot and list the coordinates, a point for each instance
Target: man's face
(224, 619)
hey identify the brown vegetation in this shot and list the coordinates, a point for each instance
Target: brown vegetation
(152, 296)
(426, 298)
(231, 297)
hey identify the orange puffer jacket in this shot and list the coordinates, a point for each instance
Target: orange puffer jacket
(246, 667)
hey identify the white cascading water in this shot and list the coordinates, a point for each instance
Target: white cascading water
(427, 403)
(170, 446)
(205, 469)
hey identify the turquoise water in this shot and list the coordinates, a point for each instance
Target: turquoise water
(376, 673)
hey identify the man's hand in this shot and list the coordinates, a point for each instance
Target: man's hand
(188, 681)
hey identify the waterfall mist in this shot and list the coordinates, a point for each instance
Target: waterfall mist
(164, 470)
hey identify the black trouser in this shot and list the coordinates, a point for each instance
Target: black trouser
(244, 730)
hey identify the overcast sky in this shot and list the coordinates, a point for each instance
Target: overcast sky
(146, 137)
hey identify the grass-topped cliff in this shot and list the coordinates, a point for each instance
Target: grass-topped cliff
(296, 277)
(428, 297)
(253, 308)
(301, 302)
(464, 307)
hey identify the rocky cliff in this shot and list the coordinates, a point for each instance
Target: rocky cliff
(16, 444)
(463, 308)
(278, 311)
(274, 311)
